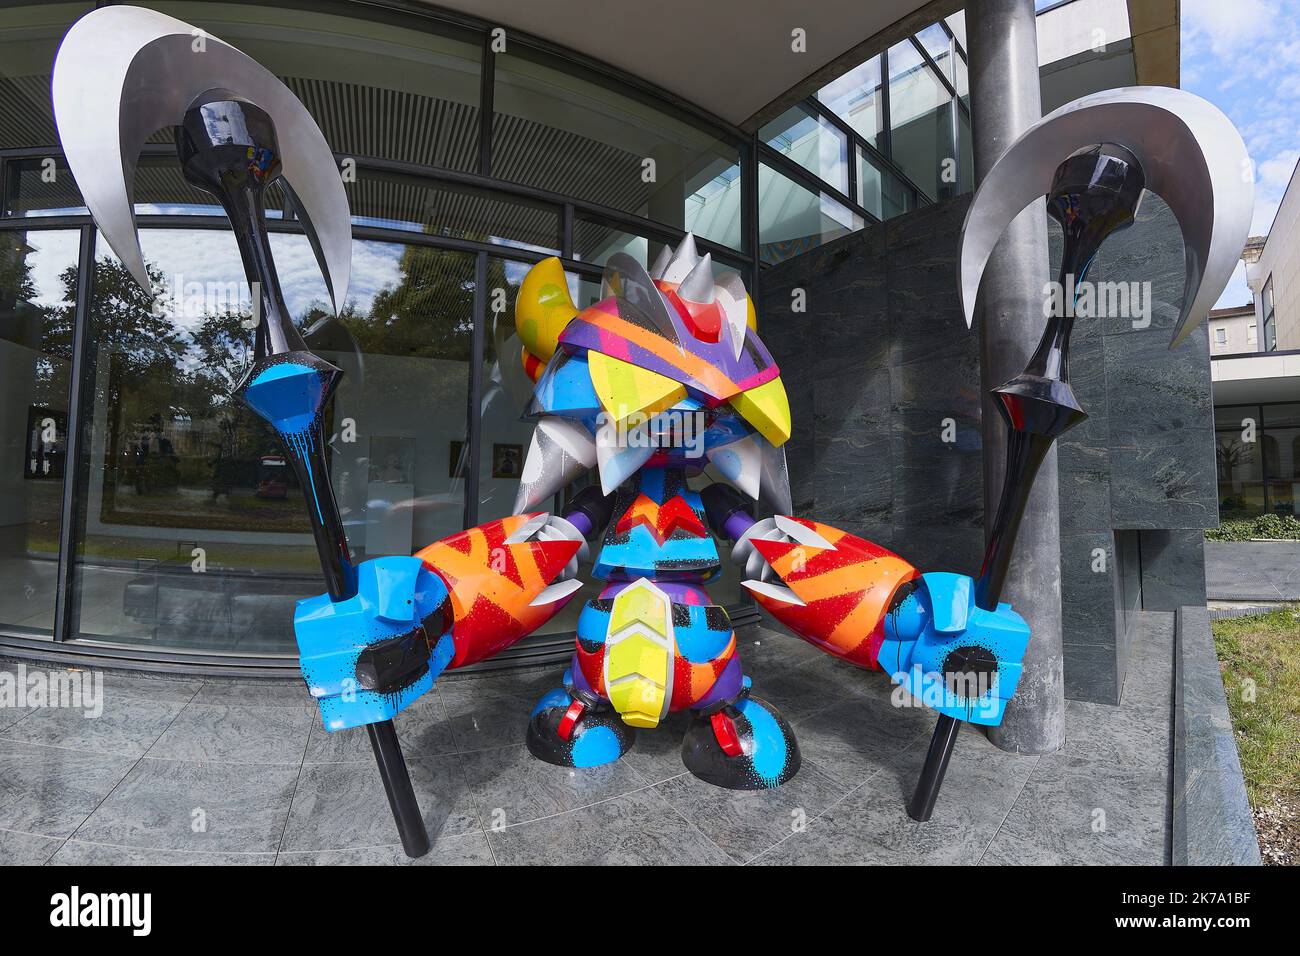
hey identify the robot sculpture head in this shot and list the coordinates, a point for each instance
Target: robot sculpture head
(666, 370)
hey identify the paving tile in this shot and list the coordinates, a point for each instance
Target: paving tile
(871, 824)
(1120, 735)
(180, 805)
(469, 849)
(339, 806)
(267, 693)
(423, 729)
(637, 829)
(146, 687)
(79, 853)
(764, 649)
(796, 692)
(238, 734)
(528, 682)
(1075, 810)
(126, 726)
(512, 786)
(843, 680)
(744, 823)
(483, 723)
(50, 790)
(656, 754)
(26, 849)
(12, 715)
(851, 740)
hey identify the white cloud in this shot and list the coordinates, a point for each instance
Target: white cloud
(1229, 27)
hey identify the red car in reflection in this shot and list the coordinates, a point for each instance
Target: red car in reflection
(272, 477)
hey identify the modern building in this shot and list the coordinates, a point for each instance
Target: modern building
(1255, 350)
(147, 520)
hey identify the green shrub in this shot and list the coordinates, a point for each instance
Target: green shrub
(1273, 527)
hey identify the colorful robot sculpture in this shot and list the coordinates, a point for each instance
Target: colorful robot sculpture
(664, 377)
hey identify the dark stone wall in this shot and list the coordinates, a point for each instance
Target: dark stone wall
(880, 361)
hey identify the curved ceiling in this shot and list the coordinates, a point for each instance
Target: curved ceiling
(730, 57)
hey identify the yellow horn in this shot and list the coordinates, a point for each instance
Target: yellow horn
(543, 308)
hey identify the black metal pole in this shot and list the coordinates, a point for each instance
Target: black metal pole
(209, 162)
(1095, 193)
(921, 806)
(397, 786)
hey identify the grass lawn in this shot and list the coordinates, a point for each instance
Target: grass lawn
(1260, 660)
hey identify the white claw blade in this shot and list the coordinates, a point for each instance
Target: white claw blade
(556, 592)
(124, 72)
(777, 592)
(1192, 157)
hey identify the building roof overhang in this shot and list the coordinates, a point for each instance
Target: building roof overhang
(1255, 378)
(733, 59)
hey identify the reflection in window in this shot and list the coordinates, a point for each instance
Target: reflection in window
(415, 205)
(812, 142)
(880, 192)
(195, 532)
(792, 219)
(920, 117)
(1260, 475)
(570, 135)
(936, 42)
(38, 282)
(595, 242)
(374, 88)
(856, 97)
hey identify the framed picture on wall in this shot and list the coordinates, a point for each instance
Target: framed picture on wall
(507, 460)
(456, 459)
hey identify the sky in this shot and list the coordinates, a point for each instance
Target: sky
(1244, 57)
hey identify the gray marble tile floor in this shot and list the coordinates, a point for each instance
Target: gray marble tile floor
(195, 771)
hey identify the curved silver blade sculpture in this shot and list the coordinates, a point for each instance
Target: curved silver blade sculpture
(1093, 159)
(1193, 158)
(123, 73)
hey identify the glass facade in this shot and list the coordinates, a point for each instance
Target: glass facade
(144, 510)
(1257, 450)
(887, 136)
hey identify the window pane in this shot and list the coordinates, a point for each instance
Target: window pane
(1237, 417)
(38, 287)
(172, 463)
(937, 44)
(813, 143)
(792, 219)
(1276, 415)
(882, 193)
(957, 24)
(1240, 469)
(965, 153)
(595, 242)
(920, 117)
(413, 205)
(856, 98)
(557, 131)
